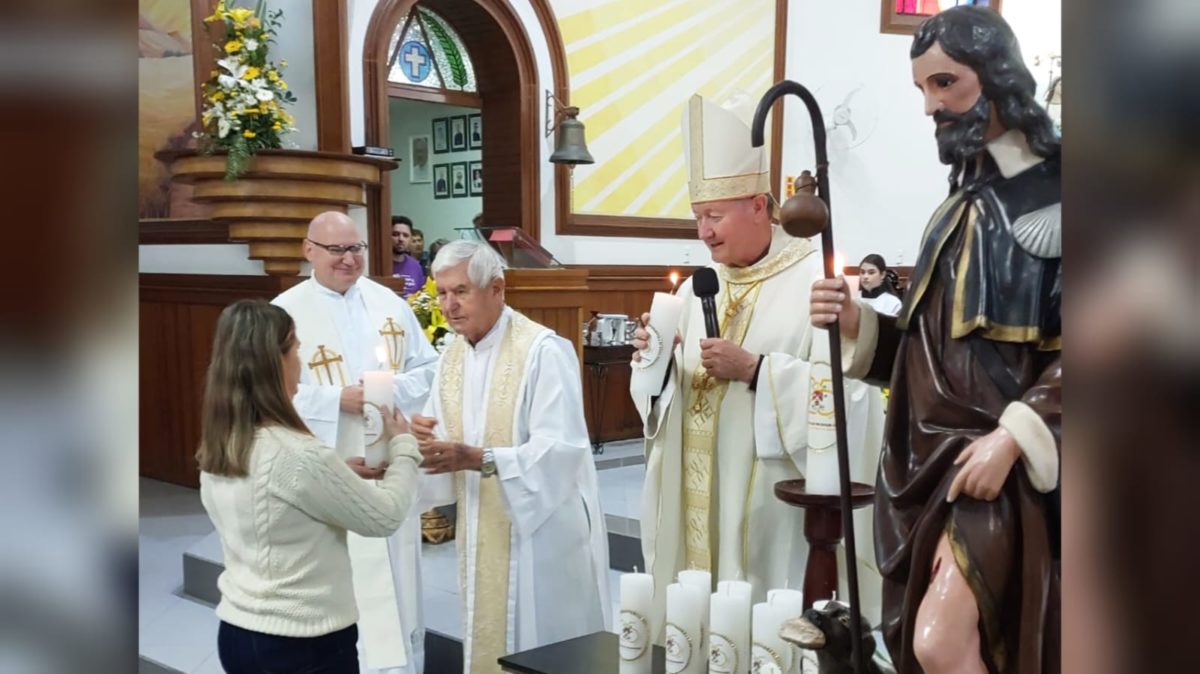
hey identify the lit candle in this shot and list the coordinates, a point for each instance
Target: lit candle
(729, 628)
(648, 372)
(684, 655)
(674, 281)
(769, 652)
(702, 581)
(637, 597)
(377, 402)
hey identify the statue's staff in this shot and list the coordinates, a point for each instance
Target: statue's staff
(804, 215)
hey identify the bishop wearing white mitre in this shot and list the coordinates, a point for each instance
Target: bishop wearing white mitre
(345, 324)
(739, 413)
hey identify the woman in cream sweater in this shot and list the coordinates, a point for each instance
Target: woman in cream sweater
(282, 504)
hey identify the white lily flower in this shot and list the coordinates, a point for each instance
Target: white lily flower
(233, 67)
(251, 45)
(264, 95)
(223, 127)
(227, 81)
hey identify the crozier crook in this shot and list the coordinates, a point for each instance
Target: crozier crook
(804, 216)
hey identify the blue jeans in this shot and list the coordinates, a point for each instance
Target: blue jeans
(244, 651)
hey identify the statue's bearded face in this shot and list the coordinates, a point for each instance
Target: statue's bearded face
(965, 118)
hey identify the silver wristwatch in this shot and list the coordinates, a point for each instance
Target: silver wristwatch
(488, 466)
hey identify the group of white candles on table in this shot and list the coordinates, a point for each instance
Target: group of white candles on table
(821, 469)
(715, 632)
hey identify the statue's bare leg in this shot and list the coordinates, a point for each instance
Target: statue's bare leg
(946, 638)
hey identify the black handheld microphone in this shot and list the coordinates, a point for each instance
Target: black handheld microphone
(705, 286)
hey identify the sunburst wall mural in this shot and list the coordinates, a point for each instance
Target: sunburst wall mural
(633, 64)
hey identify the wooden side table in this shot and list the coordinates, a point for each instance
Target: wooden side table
(823, 531)
(597, 363)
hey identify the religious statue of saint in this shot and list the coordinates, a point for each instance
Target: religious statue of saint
(966, 509)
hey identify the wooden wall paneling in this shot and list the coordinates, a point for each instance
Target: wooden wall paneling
(331, 54)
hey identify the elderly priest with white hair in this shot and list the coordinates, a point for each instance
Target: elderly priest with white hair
(505, 418)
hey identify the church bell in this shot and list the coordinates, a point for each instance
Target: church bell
(569, 144)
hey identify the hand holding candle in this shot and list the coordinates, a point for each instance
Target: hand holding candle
(377, 399)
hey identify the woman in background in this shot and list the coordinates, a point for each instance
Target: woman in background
(879, 286)
(282, 504)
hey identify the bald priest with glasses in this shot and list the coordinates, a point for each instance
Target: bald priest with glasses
(348, 325)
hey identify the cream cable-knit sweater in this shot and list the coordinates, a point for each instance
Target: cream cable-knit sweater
(283, 530)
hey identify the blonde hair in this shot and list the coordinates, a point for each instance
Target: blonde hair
(244, 388)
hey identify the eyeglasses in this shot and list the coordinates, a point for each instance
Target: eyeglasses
(354, 249)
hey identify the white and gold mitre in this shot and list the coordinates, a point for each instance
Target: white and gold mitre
(716, 147)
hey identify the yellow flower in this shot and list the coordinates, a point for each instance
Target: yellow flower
(251, 73)
(255, 23)
(241, 14)
(218, 13)
(249, 134)
(272, 75)
(282, 84)
(232, 46)
(218, 96)
(277, 126)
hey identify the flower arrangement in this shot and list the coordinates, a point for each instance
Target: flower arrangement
(429, 314)
(244, 98)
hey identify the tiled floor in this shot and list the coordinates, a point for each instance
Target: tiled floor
(181, 633)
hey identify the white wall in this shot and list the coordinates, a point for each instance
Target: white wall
(295, 45)
(437, 218)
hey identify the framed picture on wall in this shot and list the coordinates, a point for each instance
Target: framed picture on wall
(441, 135)
(420, 169)
(903, 16)
(458, 179)
(475, 178)
(475, 132)
(441, 181)
(458, 133)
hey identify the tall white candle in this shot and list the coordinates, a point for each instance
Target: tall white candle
(729, 629)
(770, 654)
(702, 581)
(684, 654)
(648, 372)
(791, 601)
(634, 630)
(377, 401)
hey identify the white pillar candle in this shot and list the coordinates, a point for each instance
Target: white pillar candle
(702, 581)
(377, 402)
(648, 372)
(684, 653)
(633, 629)
(729, 629)
(821, 471)
(770, 654)
(791, 601)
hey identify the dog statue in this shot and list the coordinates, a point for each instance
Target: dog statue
(827, 632)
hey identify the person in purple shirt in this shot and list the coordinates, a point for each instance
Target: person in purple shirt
(404, 265)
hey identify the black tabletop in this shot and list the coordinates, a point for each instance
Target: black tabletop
(592, 654)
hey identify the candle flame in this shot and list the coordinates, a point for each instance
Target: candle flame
(839, 263)
(674, 278)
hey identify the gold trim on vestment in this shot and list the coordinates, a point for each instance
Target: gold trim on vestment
(910, 303)
(393, 339)
(322, 358)
(489, 629)
(793, 252)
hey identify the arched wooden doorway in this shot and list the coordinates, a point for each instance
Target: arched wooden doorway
(506, 76)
